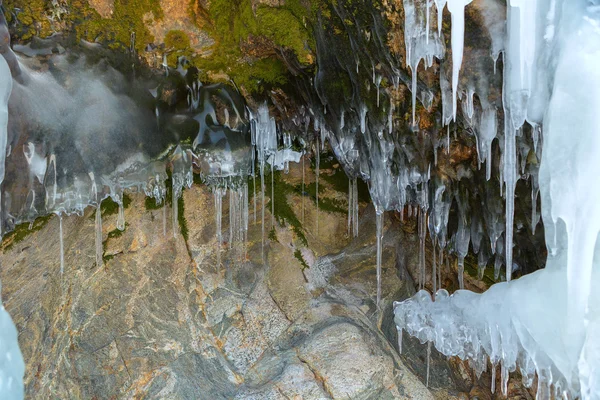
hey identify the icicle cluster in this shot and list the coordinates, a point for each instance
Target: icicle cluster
(545, 323)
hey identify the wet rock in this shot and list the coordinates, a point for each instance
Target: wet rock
(161, 320)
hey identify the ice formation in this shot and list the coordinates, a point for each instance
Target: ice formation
(12, 367)
(545, 323)
(94, 140)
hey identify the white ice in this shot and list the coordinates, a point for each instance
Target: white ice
(548, 322)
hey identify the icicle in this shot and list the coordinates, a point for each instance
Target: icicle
(350, 204)
(497, 265)
(493, 389)
(262, 192)
(121, 216)
(457, 10)
(440, 267)
(534, 215)
(254, 194)
(355, 198)
(399, 340)
(504, 378)
(175, 210)
(99, 247)
(303, 183)
(422, 216)
(434, 270)
(318, 156)
(218, 197)
(510, 176)
(461, 273)
(272, 199)
(414, 95)
(363, 118)
(62, 245)
(231, 217)
(379, 223)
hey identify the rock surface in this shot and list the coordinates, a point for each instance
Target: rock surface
(161, 320)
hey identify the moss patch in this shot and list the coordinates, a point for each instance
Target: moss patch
(21, 231)
(181, 218)
(284, 213)
(151, 204)
(273, 235)
(298, 255)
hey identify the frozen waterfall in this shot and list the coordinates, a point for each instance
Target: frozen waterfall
(546, 323)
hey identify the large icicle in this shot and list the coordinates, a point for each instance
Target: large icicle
(379, 233)
(12, 367)
(457, 9)
(546, 323)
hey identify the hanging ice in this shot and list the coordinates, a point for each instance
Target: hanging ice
(12, 367)
(545, 323)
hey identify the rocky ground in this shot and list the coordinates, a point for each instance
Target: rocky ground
(160, 320)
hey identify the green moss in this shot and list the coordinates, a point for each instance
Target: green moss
(181, 218)
(471, 268)
(21, 231)
(151, 204)
(284, 28)
(325, 203)
(32, 17)
(233, 24)
(115, 32)
(284, 213)
(298, 255)
(177, 44)
(111, 207)
(115, 233)
(338, 179)
(273, 235)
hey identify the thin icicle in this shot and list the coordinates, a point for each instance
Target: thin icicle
(318, 159)
(262, 194)
(98, 227)
(254, 194)
(434, 271)
(355, 197)
(414, 95)
(303, 183)
(272, 198)
(510, 177)
(350, 205)
(218, 197)
(422, 215)
(440, 267)
(493, 389)
(175, 210)
(121, 216)
(231, 217)
(461, 273)
(504, 378)
(399, 341)
(62, 245)
(379, 223)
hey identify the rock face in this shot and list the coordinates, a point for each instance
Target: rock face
(160, 320)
